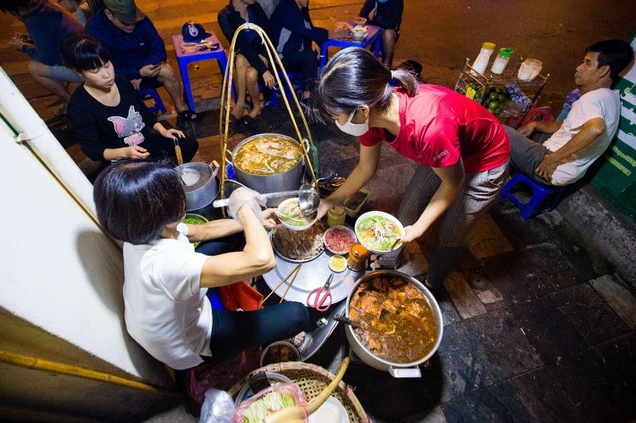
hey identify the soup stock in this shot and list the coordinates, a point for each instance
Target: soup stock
(269, 163)
(431, 339)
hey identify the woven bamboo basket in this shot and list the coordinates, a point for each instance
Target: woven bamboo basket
(312, 380)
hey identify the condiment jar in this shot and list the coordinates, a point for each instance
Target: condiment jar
(501, 61)
(481, 62)
(336, 216)
(357, 260)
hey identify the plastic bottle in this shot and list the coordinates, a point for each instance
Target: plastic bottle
(501, 61)
(481, 62)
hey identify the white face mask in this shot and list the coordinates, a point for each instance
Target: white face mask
(355, 129)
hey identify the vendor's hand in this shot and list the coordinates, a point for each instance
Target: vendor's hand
(245, 197)
(270, 219)
(17, 43)
(136, 152)
(150, 71)
(323, 207)
(527, 130)
(410, 233)
(546, 168)
(136, 83)
(172, 133)
(269, 79)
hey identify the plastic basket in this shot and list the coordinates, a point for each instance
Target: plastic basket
(312, 380)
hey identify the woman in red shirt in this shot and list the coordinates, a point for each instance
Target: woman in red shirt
(461, 148)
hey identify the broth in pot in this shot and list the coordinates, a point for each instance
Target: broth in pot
(268, 155)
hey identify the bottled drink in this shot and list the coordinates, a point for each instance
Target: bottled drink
(501, 61)
(481, 62)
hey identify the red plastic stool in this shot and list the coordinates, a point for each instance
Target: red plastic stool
(543, 197)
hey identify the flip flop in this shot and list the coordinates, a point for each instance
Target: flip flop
(188, 115)
(249, 120)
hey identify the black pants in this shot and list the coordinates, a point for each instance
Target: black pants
(304, 62)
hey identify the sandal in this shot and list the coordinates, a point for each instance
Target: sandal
(249, 120)
(234, 120)
(188, 114)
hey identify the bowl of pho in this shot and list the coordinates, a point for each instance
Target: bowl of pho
(378, 231)
(293, 217)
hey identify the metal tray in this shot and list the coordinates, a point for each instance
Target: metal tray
(312, 274)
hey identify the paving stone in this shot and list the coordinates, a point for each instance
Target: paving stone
(505, 349)
(464, 298)
(618, 296)
(547, 328)
(589, 313)
(487, 240)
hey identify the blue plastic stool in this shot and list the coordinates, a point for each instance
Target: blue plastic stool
(540, 196)
(151, 93)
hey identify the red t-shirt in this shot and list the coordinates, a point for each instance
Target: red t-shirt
(438, 125)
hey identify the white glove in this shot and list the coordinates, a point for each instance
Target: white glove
(248, 197)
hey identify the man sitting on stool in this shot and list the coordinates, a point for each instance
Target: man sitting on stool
(587, 130)
(138, 52)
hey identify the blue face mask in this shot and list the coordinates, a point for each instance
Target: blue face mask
(355, 129)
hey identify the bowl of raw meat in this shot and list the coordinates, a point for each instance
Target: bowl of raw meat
(338, 239)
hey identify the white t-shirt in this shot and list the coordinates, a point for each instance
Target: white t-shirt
(601, 103)
(166, 310)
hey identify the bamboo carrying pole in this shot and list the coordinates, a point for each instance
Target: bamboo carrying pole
(276, 65)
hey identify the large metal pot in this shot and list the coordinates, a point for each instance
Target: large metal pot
(204, 191)
(284, 181)
(397, 370)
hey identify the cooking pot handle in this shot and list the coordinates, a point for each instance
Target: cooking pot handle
(404, 372)
(229, 160)
(214, 166)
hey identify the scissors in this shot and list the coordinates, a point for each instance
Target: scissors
(320, 298)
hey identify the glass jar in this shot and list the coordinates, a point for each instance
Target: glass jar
(357, 260)
(336, 216)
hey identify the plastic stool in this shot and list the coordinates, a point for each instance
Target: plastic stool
(540, 195)
(151, 93)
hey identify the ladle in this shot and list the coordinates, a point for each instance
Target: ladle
(346, 321)
(188, 176)
(305, 194)
(308, 199)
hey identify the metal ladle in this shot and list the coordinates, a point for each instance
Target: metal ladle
(188, 176)
(307, 196)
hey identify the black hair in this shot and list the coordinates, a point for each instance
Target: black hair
(354, 77)
(17, 7)
(136, 199)
(82, 52)
(615, 53)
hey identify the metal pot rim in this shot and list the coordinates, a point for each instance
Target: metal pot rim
(436, 311)
(258, 136)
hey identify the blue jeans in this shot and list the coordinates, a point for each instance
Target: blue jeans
(235, 331)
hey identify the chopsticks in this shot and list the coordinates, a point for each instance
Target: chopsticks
(293, 273)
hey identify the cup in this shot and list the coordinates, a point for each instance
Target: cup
(529, 69)
(359, 32)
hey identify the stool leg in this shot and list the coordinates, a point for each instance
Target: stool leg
(185, 79)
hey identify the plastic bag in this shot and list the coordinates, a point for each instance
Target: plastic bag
(217, 407)
(268, 401)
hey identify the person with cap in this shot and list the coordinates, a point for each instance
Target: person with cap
(138, 51)
(387, 14)
(250, 64)
(47, 26)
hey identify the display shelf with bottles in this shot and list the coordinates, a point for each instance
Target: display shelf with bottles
(491, 90)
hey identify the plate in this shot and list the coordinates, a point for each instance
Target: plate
(282, 237)
(339, 228)
(331, 411)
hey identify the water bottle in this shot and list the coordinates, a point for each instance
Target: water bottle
(481, 62)
(501, 61)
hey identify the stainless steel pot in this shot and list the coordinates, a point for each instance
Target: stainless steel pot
(204, 191)
(284, 181)
(397, 370)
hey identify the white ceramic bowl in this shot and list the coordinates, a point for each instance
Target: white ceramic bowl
(373, 247)
(339, 228)
(300, 224)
